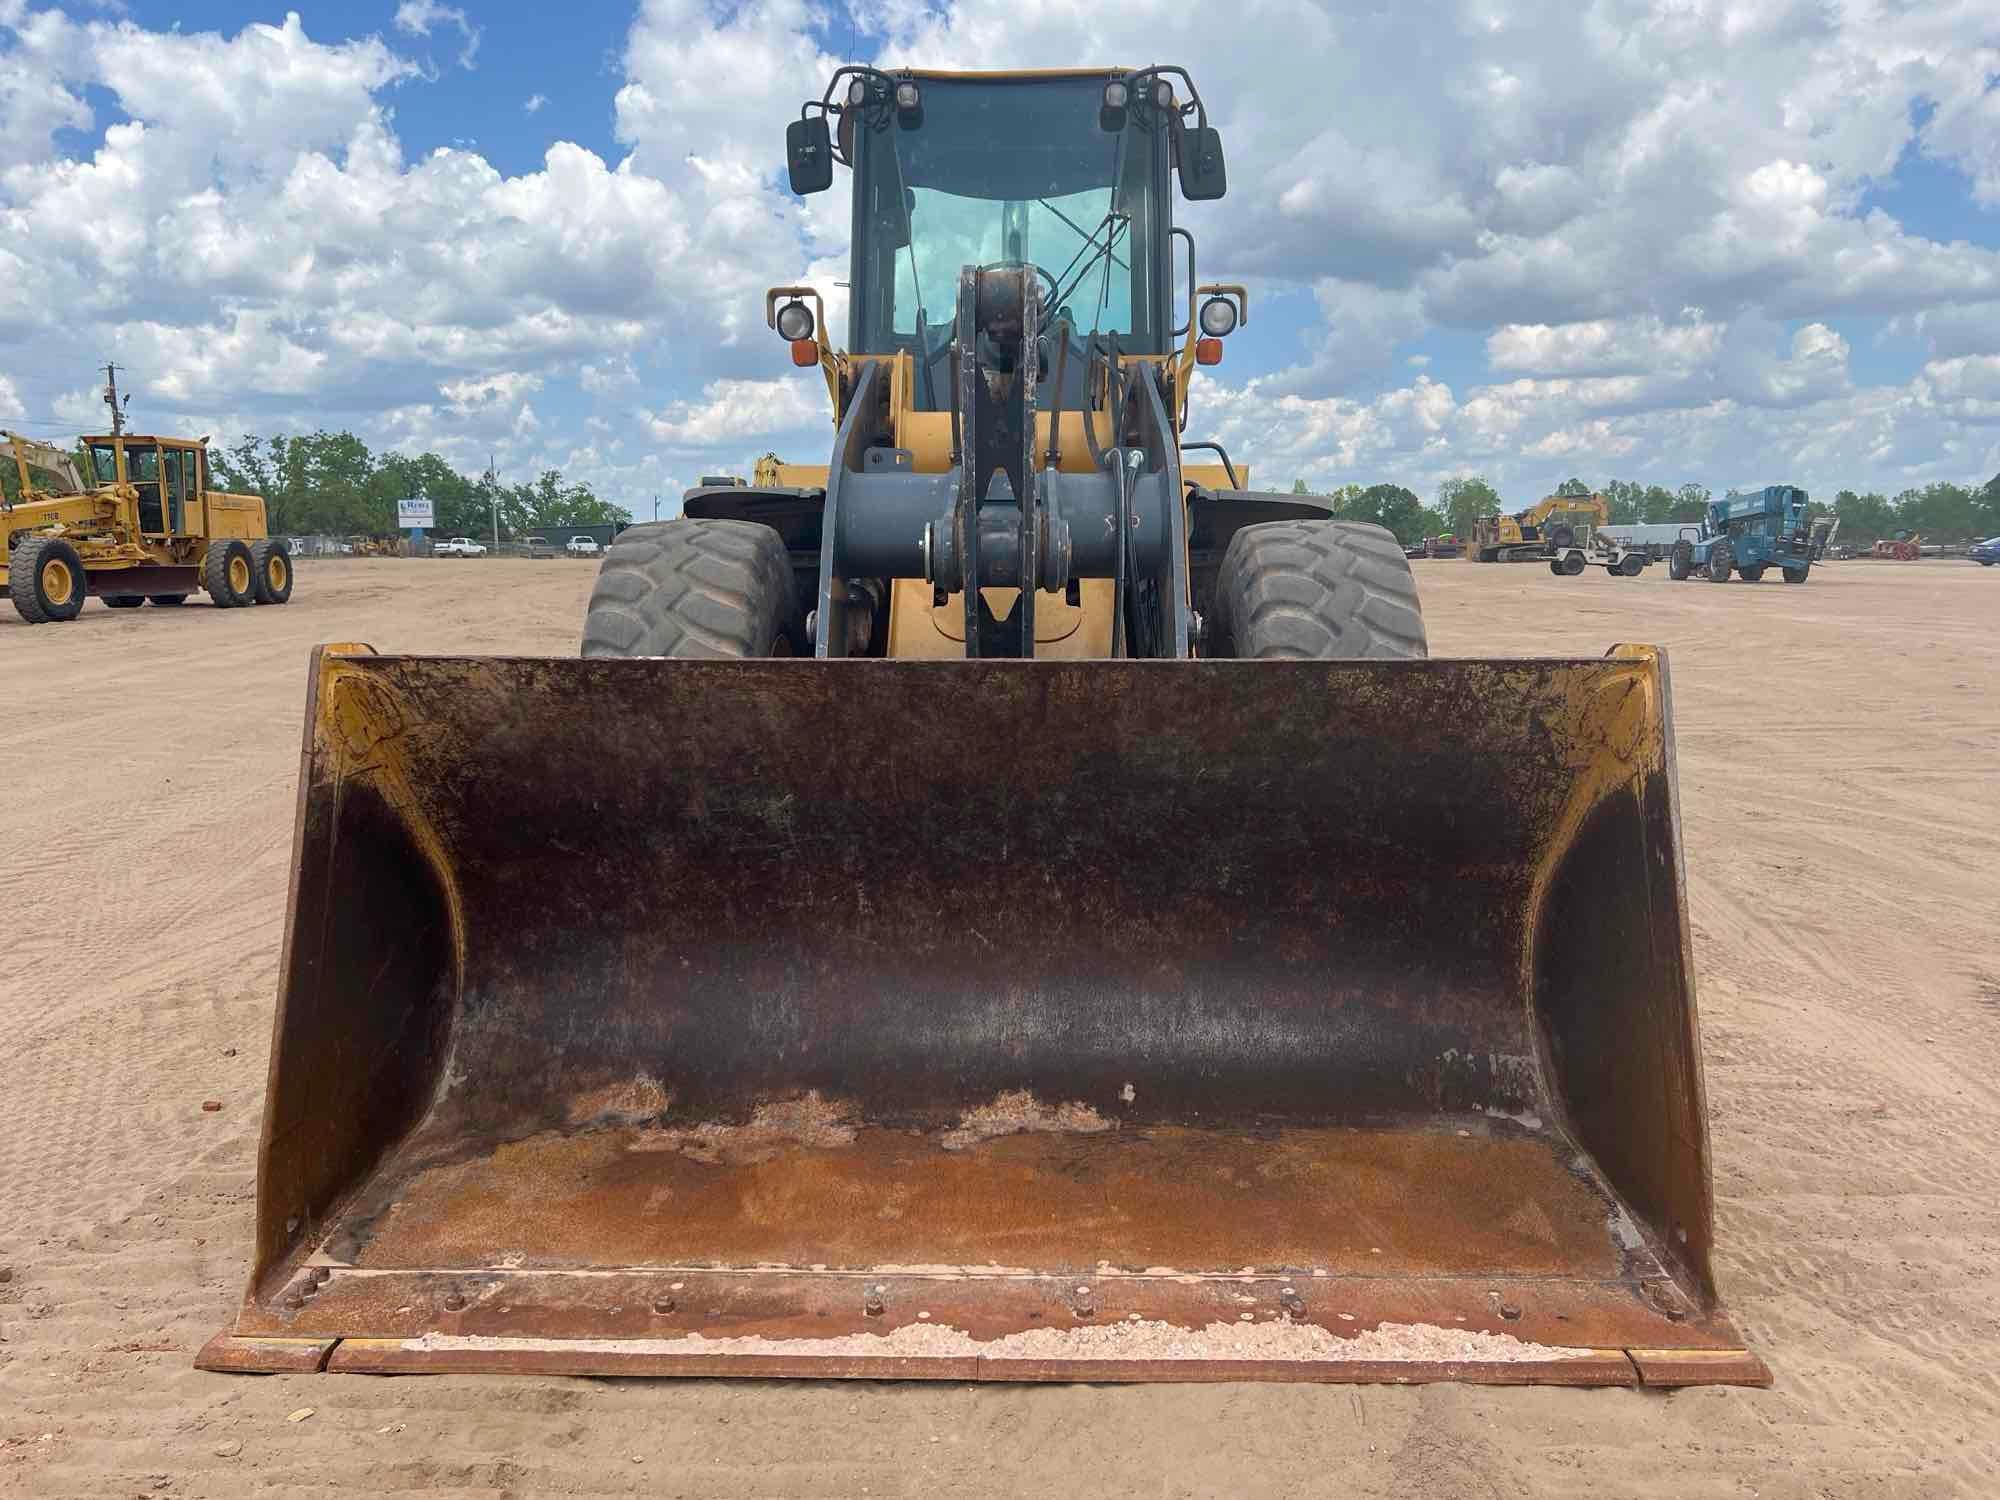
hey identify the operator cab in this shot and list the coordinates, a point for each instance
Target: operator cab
(1066, 174)
(168, 475)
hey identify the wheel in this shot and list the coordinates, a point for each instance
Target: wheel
(45, 580)
(1317, 591)
(1573, 564)
(227, 574)
(1719, 560)
(167, 601)
(1680, 561)
(1795, 575)
(1556, 567)
(1752, 574)
(271, 569)
(694, 588)
(123, 601)
(1632, 564)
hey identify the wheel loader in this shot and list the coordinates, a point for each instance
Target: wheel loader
(1005, 901)
(132, 519)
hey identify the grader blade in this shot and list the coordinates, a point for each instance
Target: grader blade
(988, 1020)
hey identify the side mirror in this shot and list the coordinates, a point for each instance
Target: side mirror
(1203, 176)
(809, 155)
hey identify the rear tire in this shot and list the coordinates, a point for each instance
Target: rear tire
(1556, 567)
(166, 601)
(228, 575)
(123, 601)
(1317, 591)
(1795, 575)
(46, 581)
(1719, 560)
(1680, 561)
(1573, 564)
(694, 588)
(1632, 565)
(1752, 574)
(271, 570)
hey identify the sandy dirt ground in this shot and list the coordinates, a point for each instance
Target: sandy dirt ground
(1840, 779)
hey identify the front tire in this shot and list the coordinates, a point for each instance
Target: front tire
(45, 580)
(271, 571)
(1680, 561)
(1317, 591)
(1795, 575)
(1719, 560)
(228, 575)
(1632, 565)
(694, 588)
(1751, 574)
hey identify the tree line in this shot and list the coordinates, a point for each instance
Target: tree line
(329, 482)
(1941, 512)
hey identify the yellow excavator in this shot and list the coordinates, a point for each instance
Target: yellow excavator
(1006, 901)
(1545, 529)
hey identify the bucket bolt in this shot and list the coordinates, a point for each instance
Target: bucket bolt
(1082, 1302)
(1290, 1300)
(873, 1301)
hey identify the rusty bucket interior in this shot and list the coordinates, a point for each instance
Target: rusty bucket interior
(988, 1020)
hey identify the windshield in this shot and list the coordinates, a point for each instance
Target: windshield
(1008, 172)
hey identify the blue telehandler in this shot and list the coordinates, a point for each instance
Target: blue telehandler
(1747, 531)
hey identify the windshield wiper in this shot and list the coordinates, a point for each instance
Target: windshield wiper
(1088, 236)
(1117, 223)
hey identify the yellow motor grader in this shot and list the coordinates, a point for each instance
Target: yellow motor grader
(132, 519)
(1001, 900)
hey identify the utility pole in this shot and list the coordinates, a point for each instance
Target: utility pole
(656, 505)
(496, 503)
(111, 400)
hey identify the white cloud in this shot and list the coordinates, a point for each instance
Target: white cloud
(1649, 214)
(10, 400)
(420, 17)
(535, 102)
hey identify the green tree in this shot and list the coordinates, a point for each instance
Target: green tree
(1299, 487)
(548, 505)
(1627, 501)
(1392, 506)
(1462, 501)
(1864, 518)
(1656, 506)
(1572, 487)
(1690, 503)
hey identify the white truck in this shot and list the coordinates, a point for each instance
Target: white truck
(458, 546)
(583, 546)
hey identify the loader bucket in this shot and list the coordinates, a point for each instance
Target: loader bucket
(988, 1020)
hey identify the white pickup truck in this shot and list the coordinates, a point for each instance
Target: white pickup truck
(459, 546)
(583, 546)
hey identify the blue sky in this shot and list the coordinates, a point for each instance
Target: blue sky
(1762, 238)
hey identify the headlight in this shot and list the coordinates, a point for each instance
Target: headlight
(1116, 94)
(907, 96)
(795, 322)
(1163, 93)
(1218, 317)
(857, 92)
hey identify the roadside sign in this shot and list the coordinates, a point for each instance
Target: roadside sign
(415, 511)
